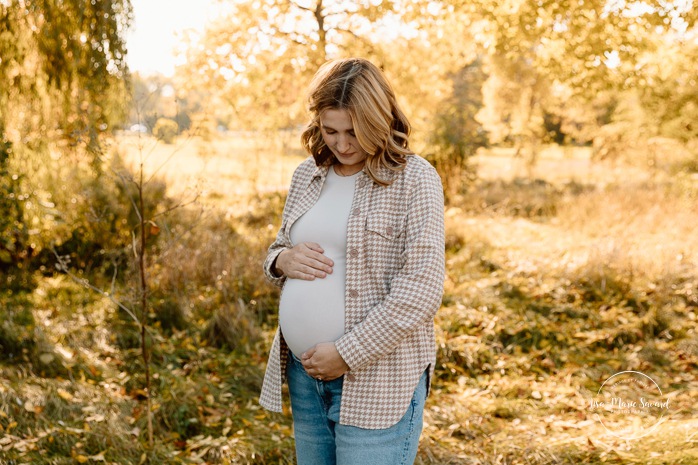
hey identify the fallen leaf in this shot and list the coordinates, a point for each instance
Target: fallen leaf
(65, 394)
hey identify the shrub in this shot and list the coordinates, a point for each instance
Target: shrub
(169, 313)
(232, 326)
(17, 332)
(166, 130)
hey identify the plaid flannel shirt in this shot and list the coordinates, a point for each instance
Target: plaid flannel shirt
(394, 285)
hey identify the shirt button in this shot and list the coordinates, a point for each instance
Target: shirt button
(351, 377)
(353, 253)
(353, 294)
(389, 230)
(357, 211)
(362, 183)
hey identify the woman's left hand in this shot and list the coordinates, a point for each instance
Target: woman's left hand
(324, 362)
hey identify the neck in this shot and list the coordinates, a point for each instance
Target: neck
(344, 171)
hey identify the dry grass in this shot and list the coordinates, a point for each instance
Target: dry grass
(553, 286)
(555, 283)
(226, 170)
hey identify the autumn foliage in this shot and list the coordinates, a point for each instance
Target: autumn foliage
(135, 212)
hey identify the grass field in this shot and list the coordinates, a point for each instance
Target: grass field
(558, 277)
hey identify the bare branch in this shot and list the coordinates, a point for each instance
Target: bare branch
(174, 152)
(164, 254)
(175, 207)
(134, 246)
(294, 37)
(62, 265)
(301, 7)
(113, 278)
(357, 37)
(124, 181)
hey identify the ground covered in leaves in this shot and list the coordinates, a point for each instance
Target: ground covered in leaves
(552, 288)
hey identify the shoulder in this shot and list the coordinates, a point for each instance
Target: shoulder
(418, 169)
(306, 168)
(304, 172)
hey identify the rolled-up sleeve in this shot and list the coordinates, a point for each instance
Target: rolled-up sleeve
(279, 245)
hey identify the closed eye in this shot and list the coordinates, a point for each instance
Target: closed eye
(332, 132)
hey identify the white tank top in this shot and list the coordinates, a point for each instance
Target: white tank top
(311, 312)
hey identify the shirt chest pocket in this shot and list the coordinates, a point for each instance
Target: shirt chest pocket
(384, 242)
(389, 226)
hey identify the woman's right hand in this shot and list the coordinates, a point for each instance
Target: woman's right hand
(304, 261)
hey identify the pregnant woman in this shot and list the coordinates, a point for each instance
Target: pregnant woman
(360, 258)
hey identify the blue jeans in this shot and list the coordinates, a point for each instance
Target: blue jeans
(322, 440)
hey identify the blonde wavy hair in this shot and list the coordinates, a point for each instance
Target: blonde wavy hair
(381, 128)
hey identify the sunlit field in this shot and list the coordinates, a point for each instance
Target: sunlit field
(225, 170)
(559, 275)
(137, 204)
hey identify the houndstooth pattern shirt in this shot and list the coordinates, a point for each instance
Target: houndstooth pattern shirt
(394, 284)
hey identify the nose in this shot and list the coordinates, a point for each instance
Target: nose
(342, 143)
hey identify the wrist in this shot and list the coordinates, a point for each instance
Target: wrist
(275, 269)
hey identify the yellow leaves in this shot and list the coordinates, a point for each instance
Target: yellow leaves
(46, 358)
(82, 458)
(97, 418)
(65, 395)
(30, 407)
(154, 228)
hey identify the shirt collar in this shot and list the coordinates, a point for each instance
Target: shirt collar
(320, 172)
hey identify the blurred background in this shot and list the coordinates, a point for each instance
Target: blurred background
(146, 147)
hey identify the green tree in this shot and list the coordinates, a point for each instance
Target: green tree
(670, 90)
(258, 59)
(63, 63)
(62, 72)
(456, 134)
(579, 49)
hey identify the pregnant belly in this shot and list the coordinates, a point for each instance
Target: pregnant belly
(311, 312)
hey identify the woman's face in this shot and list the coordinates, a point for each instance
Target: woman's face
(338, 133)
